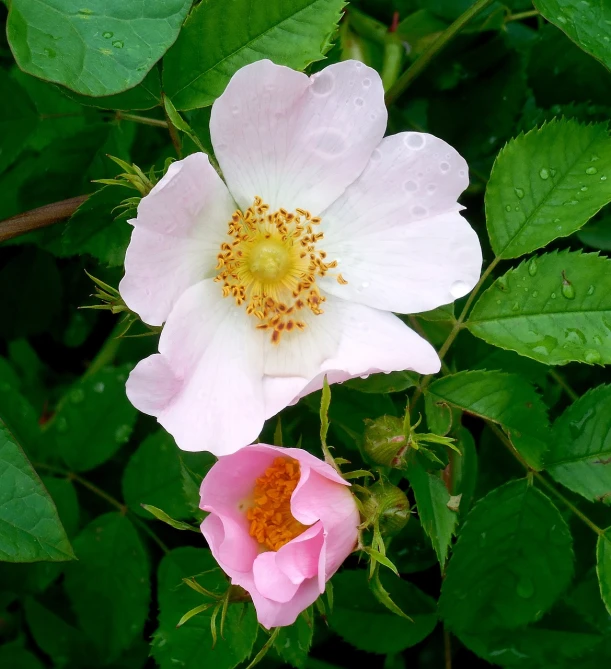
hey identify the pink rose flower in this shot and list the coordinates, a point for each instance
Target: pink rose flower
(289, 269)
(281, 523)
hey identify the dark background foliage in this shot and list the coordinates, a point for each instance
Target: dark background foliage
(520, 585)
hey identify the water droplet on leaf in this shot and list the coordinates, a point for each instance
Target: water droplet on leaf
(519, 192)
(544, 173)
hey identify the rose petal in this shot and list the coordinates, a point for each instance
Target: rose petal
(297, 141)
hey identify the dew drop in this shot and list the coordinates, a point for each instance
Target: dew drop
(584, 188)
(571, 202)
(591, 170)
(568, 290)
(77, 395)
(444, 167)
(532, 267)
(410, 186)
(322, 84)
(552, 172)
(366, 83)
(359, 102)
(118, 44)
(501, 284)
(107, 35)
(419, 211)
(535, 293)
(519, 192)
(553, 296)
(458, 289)
(358, 65)
(98, 387)
(603, 178)
(414, 140)
(122, 433)
(591, 356)
(431, 188)
(544, 173)
(591, 290)
(508, 207)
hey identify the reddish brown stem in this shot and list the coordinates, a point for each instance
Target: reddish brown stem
(40, 217)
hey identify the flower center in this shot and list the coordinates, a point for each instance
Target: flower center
(271, 521)
(270, 266)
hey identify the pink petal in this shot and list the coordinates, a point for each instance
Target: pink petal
(177, 235)
(152, 385)
(401, 243)
(270, 581)
(300, 558)
(233, 548)
(274, 614)
(294, 141)
(213, 364)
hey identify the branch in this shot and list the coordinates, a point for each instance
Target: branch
(40, 217)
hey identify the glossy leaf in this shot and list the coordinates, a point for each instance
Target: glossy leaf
(293, 642)
(365, 623)
(289, 32)
(512, 560)
(580, 448)
(17, 120)
(109, 586)
(191, 645)
(94, 419)
(555, 308)
(30, 529)
(506, 399)
(378, 384)
(102, 49)
(547, 184)
(603, 566)
(432, 497)
(588, 24)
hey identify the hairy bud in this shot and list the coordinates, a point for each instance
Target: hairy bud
(385, 442)
(388, 505)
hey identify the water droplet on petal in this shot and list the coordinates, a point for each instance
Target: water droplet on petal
(414, 140)
(444, 167)
(322, 84)
(419, 211)
(431, 188)
(458, 289)
(359, 102)
(366, 83)
(410, 186)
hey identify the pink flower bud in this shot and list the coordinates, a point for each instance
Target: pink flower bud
(281, 523)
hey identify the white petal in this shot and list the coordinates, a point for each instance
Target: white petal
(396, 231)
(297, 141)
(180, 226)
(370, 341)
(210, 349)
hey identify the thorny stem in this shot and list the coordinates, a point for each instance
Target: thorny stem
(39, 217)
(102, 494)
(456, 329)
(418, 67)
(447, 647)
(522, 15)
(543, 481)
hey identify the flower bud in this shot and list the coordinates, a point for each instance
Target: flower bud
(385, 442)
(388, 505)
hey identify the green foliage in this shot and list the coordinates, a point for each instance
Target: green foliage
(289, 32)
(17, 119)
(506, 399)
(554, 308)
(293, 643)
(191, 645)
(588, 24)
(603, 566)
(361, 620)
(513, 559)
(547, 184)
(94, 419)
(102, 49)
(580, 447)
(31, 528)
(438, 520)
(109, 586)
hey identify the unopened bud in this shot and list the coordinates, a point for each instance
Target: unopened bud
(388, 505)
(385, 442)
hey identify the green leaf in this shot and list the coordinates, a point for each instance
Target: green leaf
(512, 560)
(109, 586)
(597, 234)
(547, 184)
(436, 518)
(30, 529)
(293, 642)
(368, 625)
(97, 229)
(580, 448)
(438, 415)
(17, 120)
(555, 308)
(603, 566)
(190, 646)
(380, 384)
(103, 49)
(506, 399)
(217, 41)
(145, 95)
(12, 656)
(588, 24)
(94, 419)
(155, 475)
(165, 518)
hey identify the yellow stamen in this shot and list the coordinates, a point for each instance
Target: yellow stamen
(271, 522)
(270, 266)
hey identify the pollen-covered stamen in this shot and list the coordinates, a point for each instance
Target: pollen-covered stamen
(270, 265)
(271, 522)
